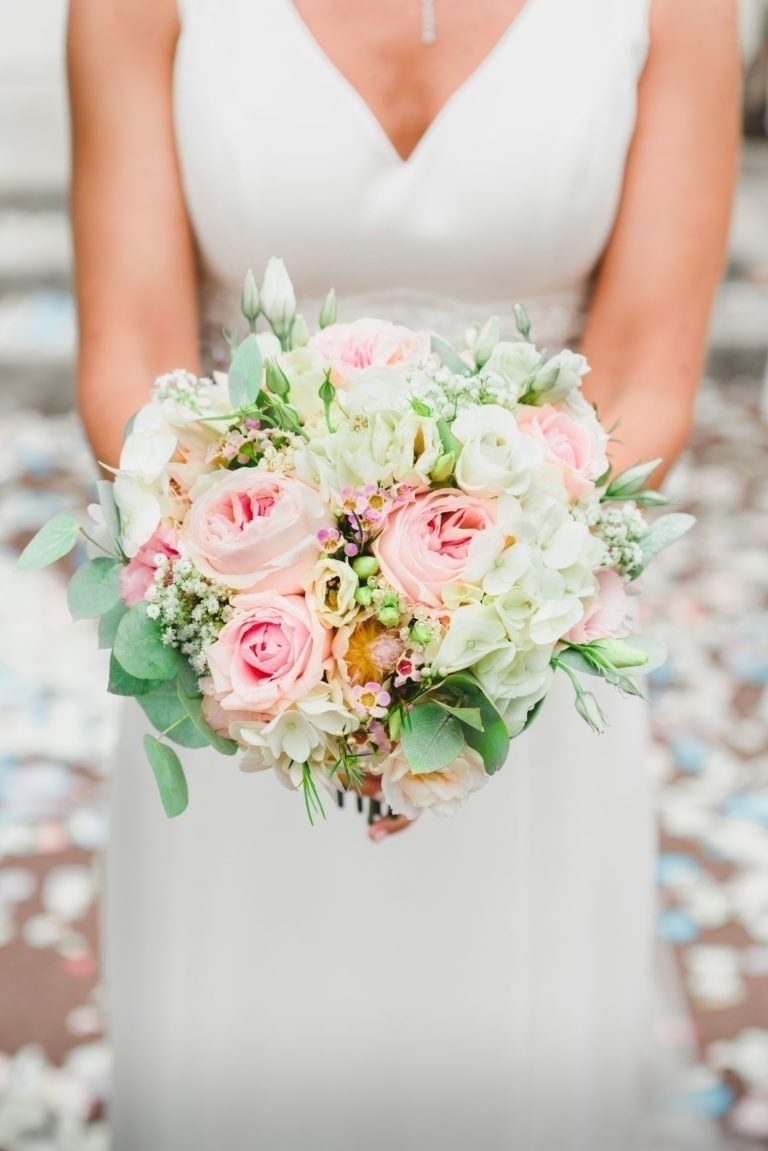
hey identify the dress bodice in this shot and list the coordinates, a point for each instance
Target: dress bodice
(509, 196)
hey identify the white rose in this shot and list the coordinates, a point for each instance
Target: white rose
(473, 632)
(443, 792)
(332, 585)
(495, 456)
(515, 361)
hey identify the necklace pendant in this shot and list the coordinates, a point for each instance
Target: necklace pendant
(428, 29)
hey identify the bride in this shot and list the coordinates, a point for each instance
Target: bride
(483, 980)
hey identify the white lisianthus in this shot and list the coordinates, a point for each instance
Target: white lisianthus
(331, 586)
(566, 370)
(515, 681)
(515, 362)
(495, 456)
(473, 632)
(149, 445)
(442, 792)
(140, 512)
(306, 732)
(277, 297)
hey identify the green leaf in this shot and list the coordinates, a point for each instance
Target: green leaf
(106, 493)
(533, 713)
(449, 357)
(660, 535)
(192, 706)
(188, 678)
(54, 540)
(109, 622)
(121, 683)
(579, 661)
(139, 646)
(245, 373)
(632, 480)
(492, 742)
(448, 439)
(94, 588)
(432, 739)
(169, 775)
(466, 715)
(165, 710)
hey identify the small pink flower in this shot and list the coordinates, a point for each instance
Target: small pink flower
(370, 699)
(137, 577)
(407, 670)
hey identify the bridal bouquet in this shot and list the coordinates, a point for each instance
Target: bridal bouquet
(363, 552)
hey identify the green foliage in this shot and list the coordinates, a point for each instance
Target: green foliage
(491, 741)
(245, 372)
(94, 588)
(54, 540)
(449, 357)
(167, 713)
(121, 683)
(431, 737)
(192, 707)
(169, 774)
(109, 622)
(139, 646)
(662, 532)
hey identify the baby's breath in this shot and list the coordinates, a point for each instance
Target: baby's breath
(620, 527)
(185, 388)
(191, 609)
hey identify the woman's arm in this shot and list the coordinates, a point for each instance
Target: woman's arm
(646, 335)
(134, 256)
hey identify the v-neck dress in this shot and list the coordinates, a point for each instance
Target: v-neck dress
(479, 981)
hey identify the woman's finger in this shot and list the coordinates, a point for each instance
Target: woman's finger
(390, 825)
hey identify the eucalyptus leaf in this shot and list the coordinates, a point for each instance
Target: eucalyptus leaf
(94, 588)
(169, 774)
(188, 678)
(467, 715)
(139, 646)
(492, 741)
(449, 357)
(55, 539)
(432, 739)
(193, 708)
(165, 710)
(660, 535)
(245, 372)
(121, 683)
(109, 622)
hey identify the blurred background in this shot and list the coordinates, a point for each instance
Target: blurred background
(708, 599)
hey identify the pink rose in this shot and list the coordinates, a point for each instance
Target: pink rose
(256, 531)
(426, 544)
(365, 343)
(568, 442)
(137, 577)
(272, 652)
(605, 617)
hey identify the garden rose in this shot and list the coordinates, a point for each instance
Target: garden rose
(364, 343)
(271, 653)
(137, 576)
(256, 531)
(427, 543)
(577, 449)
(495, 456)
(605, 617)
(443, 792)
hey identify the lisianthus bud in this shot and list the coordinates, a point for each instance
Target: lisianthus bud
(590, 710)
(299, 332)
(277, 382)
(364, 595)
(522, 322)
(277, 297)
(249, 299)
(619, 653)
(421, 634)
(443, 468)
(365, 566)
(487, 340)
(395, 724)
(328, 310)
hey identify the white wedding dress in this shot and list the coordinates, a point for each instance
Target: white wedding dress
(481, 981)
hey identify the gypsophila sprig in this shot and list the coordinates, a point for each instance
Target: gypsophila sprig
(187, 390)
(190, 608)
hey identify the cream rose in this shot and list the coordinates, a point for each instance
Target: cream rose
(495, 456)
(256, 531)
(272, 652)
(332, 586)
(443, 792)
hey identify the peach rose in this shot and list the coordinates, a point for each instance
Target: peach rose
(425, 545)
(568, 442)
(256, 531)
(272, 652)
(137, 577)
(606, 615)
(365, 343)
(443, 792)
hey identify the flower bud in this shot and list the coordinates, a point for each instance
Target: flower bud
(522, 322)
(421, 634)
(365, 566)
(277, 297)
(277, 383)
(443, 468)
(618, 653)
(364, 595)
(395, 724)
(249, 299)
(328, 310)
(589, 709)
(299, 332)
(388, 616)
(486, 341)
